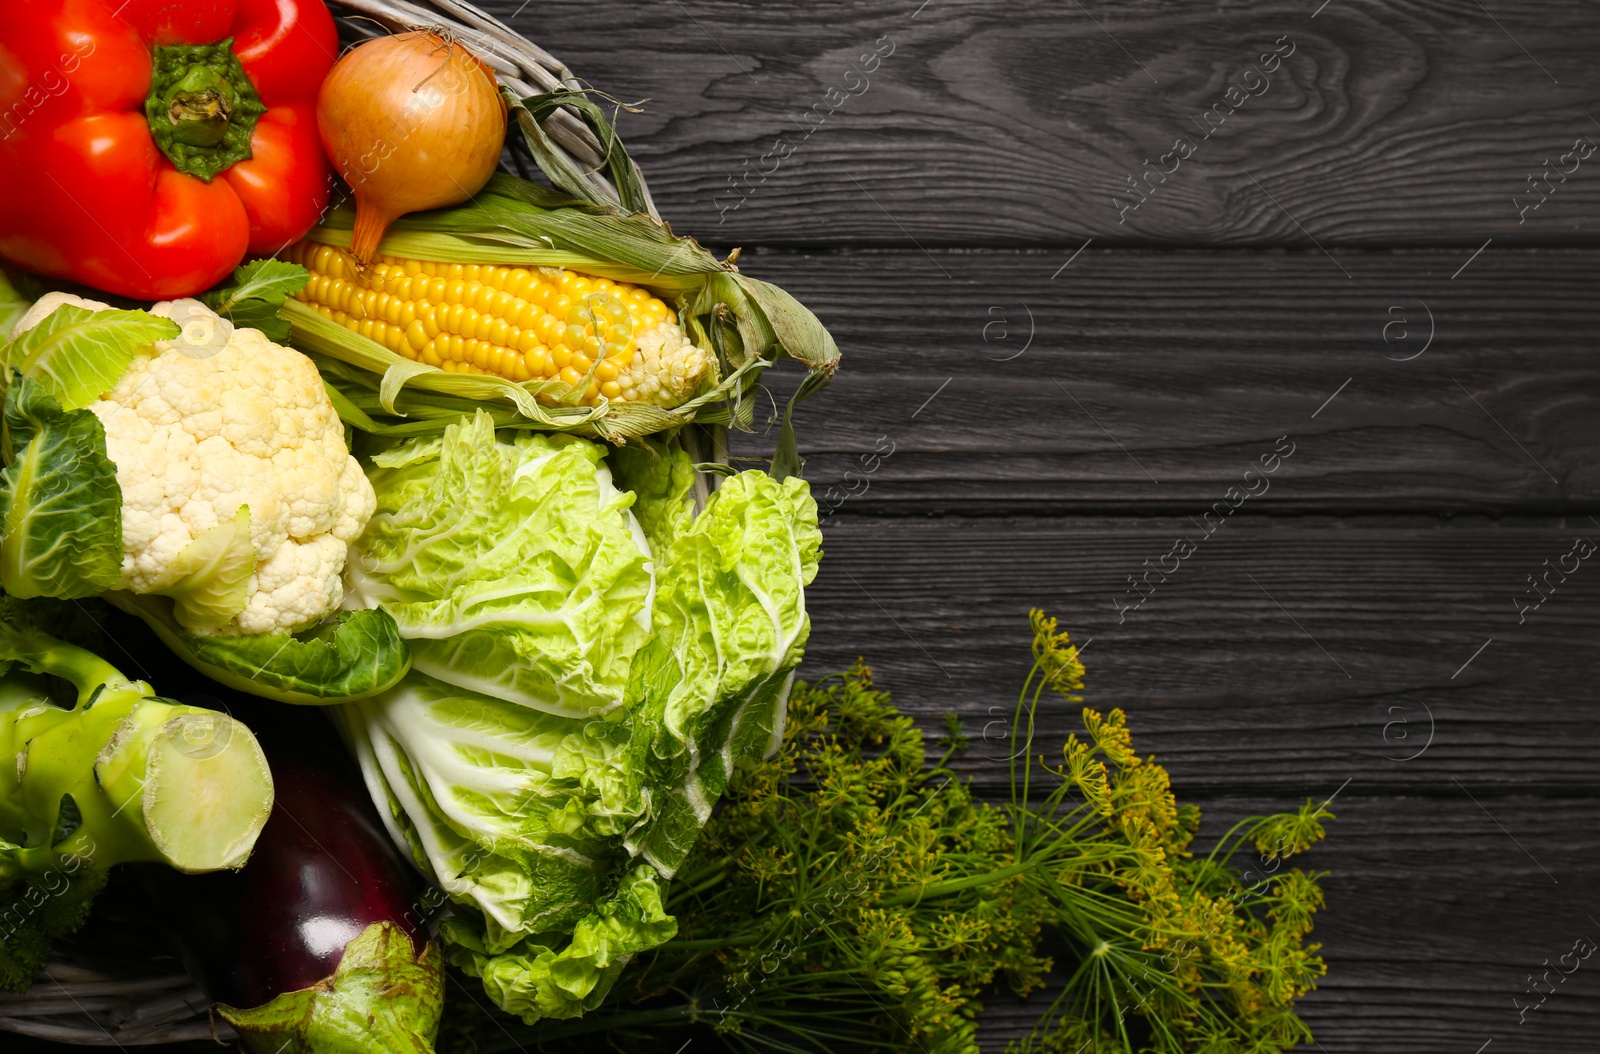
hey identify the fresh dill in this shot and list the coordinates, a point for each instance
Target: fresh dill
(851, 894)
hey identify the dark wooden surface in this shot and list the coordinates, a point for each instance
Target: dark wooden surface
(1088, 408)
(1058, 418)
(1003, 123)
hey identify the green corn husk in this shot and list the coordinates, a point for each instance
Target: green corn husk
(562, 170)
(748, 324)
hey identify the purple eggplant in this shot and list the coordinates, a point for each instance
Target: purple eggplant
(315, 946)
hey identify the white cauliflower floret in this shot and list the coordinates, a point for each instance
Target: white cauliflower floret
(221, 418)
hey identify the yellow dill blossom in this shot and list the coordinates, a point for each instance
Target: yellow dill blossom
(1111, 736)
(1055, 657)
(1089, 775)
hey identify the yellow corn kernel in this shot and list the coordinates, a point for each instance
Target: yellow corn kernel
(610, 339)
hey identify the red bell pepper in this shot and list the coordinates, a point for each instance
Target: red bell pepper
(147, 145)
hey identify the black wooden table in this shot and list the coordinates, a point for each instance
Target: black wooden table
(1089, 264)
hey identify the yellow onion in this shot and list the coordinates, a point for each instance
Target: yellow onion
(412, 121)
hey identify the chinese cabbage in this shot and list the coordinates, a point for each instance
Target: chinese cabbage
(591, 664)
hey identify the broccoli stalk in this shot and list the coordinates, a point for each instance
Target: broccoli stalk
(121, 776)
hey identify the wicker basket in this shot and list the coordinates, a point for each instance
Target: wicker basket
(119, 982)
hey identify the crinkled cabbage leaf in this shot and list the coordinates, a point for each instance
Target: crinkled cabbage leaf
(515, 568)
(551, 770)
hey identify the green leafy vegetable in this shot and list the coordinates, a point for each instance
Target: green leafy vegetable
(209, 579)
(37, 909)
(853, 895)
(351, 656)
(60, 505)
(534, 979)
(514, 567)
(517, 811)
(379, 992)
(592, 664)
(13, 305)
(730, 625)
(78, 355)
(252, 297)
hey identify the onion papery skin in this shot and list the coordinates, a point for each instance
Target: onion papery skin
(412, 121)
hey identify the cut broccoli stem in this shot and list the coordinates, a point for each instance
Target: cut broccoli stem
(123, 775)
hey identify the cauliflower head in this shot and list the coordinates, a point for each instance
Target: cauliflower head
(227, 448)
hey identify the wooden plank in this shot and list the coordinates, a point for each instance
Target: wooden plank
(976, 122)
(1435, 919)
(1280, 647)
(1153, 381)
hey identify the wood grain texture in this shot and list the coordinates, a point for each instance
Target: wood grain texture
(990, 123)
(1288, 654)
(1356, 629)
(1151, 381)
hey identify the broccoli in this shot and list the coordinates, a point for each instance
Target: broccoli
(36, 910)
(97, 770)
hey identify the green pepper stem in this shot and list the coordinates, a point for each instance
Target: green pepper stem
(202, 108)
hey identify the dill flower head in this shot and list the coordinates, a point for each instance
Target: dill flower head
(1056, 658)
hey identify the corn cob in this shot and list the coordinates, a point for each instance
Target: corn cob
(603, 339)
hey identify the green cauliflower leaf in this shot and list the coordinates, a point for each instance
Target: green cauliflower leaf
(79, 355)
(60, 504)
(351, 656)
